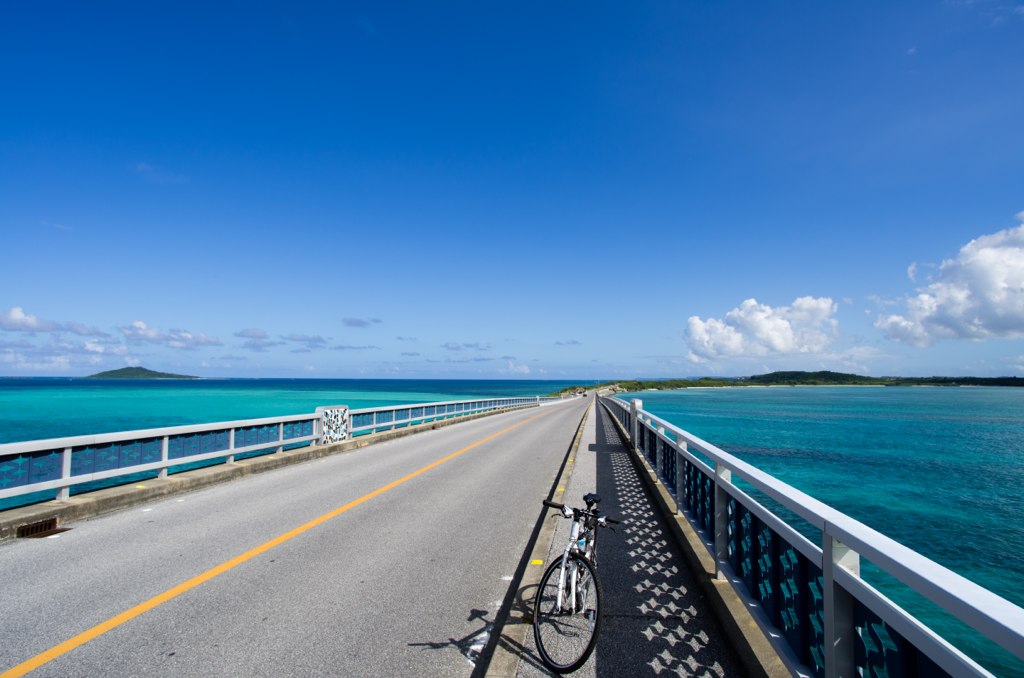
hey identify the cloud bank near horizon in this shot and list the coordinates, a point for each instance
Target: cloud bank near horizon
(975, 296)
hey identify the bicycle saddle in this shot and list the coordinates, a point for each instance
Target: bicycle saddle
(591, 499)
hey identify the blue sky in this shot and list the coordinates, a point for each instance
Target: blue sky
(521, 190)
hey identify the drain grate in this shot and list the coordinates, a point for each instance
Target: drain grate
(42, 528)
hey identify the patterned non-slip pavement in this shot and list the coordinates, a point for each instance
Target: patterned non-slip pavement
(656, 622)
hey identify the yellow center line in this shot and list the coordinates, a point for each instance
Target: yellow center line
(112, 623)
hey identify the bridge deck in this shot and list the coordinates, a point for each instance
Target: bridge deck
(655, 618)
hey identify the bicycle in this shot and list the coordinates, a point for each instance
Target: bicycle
(567, 608)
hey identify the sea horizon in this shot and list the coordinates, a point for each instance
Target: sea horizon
(43, 408)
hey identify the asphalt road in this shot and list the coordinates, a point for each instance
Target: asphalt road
(403, 582)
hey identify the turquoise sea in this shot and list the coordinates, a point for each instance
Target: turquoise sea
(939, 469)
(32, 409)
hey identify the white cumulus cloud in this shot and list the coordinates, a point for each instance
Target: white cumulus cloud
(755, 329)
(94, 347)
(17, 320)
(514, 368)
(187, 341)
(977, 295)
(138, 332)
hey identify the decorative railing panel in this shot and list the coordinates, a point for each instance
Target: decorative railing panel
(89, 460)
(699, 496)
(192, 444)
(800, 611)
(92, 459)
(29, 468)
(667, 465)
(298, 429)
(364, 420)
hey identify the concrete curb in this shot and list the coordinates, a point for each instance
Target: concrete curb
(99, 502)
(510, 632)
(752, 646)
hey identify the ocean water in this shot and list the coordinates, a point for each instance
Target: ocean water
(32, 409)
(940, 470)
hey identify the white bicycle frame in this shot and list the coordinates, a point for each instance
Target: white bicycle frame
(574, 535)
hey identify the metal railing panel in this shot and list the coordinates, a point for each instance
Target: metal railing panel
(83, 473)
(369, 420)
(63, 463)
(891, 639)
(101, 438)
(993, 615)
(29, 467)
(783, 572)
(786, 531)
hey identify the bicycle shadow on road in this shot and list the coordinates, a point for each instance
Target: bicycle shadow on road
(522, 613)
(522, 609)
(472, 645)
(469, 646)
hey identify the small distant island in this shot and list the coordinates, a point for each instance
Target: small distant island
(797, 378)
(137, 373)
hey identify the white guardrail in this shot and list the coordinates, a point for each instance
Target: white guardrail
(81, 463)
(809, 599)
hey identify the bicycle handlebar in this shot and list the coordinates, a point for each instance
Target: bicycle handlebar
(561, 507)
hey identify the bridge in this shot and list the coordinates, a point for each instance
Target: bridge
(408, 541)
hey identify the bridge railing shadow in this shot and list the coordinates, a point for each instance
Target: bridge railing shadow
(655, 618)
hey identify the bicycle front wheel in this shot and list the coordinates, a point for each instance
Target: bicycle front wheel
(566, 634)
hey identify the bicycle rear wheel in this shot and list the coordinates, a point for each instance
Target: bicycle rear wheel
(566, 637)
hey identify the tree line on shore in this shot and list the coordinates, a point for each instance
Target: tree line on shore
(798, 378)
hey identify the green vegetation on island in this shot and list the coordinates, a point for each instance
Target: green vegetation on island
(137, 373)
(825, 378)
(797, 378)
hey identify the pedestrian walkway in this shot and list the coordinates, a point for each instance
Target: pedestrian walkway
(655, 619)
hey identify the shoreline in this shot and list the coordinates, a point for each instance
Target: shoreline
(758, 386)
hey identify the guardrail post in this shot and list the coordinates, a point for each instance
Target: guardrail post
(231, 444)
(634, 408)
(722, 477)
(64, 493)
(165, 445)
(280, 437)
(680, 476)
(659, 452)
(840, 633)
